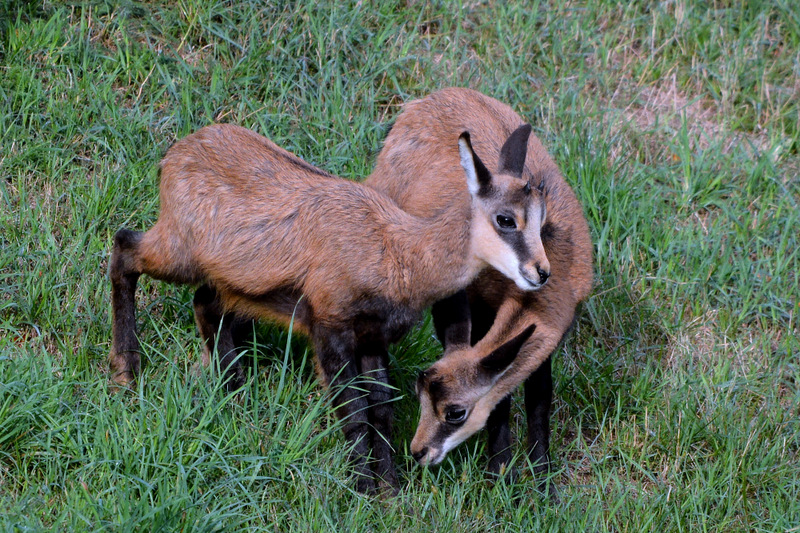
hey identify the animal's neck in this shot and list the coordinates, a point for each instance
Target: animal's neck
(435, 256)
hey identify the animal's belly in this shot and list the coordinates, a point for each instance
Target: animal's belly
(284, 305)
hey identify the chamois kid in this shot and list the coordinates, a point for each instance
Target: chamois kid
(470, 387)
(266, 235)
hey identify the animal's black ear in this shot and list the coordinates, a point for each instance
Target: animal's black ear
(514, 151)
(479, 180)
(501, 358)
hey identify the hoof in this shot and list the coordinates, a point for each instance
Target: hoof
(124, 368)
(366, 485)
(387, 491)
(549, 488)
(120, 381)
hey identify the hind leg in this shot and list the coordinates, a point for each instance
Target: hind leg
(124, 271)
(136, 253)
(216, 328)
(243, 330)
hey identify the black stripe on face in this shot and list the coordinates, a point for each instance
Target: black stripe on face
(437, 392)
(516, 239)
(442, 433)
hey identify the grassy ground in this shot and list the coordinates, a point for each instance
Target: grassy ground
(677, 399)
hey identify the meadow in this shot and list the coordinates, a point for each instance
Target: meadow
(677, 395)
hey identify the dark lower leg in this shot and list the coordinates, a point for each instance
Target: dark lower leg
(335, 351)
(381, 415)
(538, 397)
(124, 360)
(243, 332)
(499, 436)
(451, 319)
(216, 330)
(482, 317)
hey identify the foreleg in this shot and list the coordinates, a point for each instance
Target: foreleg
(335, 351)
(381, 414)
(498, 435)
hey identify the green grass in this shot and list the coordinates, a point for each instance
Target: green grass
(677, 400)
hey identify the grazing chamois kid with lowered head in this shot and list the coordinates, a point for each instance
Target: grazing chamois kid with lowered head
(470, 387)
(266, 235)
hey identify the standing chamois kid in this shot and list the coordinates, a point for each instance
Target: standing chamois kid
(470, 387)
(266, 235)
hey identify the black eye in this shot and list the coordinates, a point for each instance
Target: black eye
(455, 415)
(506, 222)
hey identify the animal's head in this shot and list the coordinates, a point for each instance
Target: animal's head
(453, 396)
(508, 212)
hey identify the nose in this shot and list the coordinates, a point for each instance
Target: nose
(542, 272)
(543, 275)
(420, 454)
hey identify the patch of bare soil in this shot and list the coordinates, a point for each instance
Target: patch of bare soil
(663, 110)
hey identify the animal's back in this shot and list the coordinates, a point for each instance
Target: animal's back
(240, 210)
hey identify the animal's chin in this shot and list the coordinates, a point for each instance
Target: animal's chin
(526, 285)
(438, 459)
(432, 458)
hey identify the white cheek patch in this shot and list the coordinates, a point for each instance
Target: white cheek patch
(475, 422)
(496, 252)
(533, 239)
(534, 223)
(451, 442)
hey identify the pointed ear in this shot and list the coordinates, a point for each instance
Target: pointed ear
(479, 180)
(514, 151)
(501, 358)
